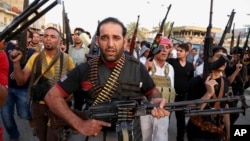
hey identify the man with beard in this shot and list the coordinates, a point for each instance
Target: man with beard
(112, 76)
(44, 69)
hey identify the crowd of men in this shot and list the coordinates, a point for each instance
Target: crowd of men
(57, 82)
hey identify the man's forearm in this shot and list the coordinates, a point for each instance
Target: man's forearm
(56, 103)
(18, 73)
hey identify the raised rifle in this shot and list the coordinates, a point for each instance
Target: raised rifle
(246, 50)
(29, 15)
(232, 40)
(18, 24)
(93, 49)
(246, 42)
(208, 44)
(170, 31)
(132, 43)
(227, 28)
(155, 49)
(66, 28)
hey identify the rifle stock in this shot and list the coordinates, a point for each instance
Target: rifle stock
(155, 49)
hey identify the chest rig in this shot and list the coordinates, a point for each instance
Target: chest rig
(119, 84)
(163, 83)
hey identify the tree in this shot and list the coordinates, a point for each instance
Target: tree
(165, 28)
(130, 31)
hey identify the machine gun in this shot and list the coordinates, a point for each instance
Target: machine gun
(123, 113)
(132, 44)
(25, 19)
(227, 28)
(128, 110)
(208, 45)
(155, 49)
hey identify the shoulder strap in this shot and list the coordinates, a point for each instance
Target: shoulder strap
(217, 104)
(61, 63)
(48, 68)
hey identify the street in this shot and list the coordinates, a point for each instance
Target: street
(27, 133)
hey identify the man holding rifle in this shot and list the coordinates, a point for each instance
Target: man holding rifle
(105, 78)
(211, 127)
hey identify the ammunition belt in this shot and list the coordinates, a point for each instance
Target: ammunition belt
(105, 93)
(208, 126)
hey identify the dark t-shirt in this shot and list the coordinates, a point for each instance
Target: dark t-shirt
(196, 90)
(182, 74)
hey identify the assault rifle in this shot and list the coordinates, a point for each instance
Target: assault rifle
(93, 49)
(246, 49)
(208, 45)
(29, 15)
(232, 40)
(66, 28)
(132, 44)
(227, 28)
(170, 31)
(155, 49)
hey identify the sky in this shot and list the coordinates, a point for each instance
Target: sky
(86, 13)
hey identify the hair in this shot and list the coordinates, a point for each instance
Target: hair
(195, 49)
(53, 28)
(218, 48)
(78, 29)
(184, 46)
(112, 20)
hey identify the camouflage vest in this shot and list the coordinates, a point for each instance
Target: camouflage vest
(163, 83)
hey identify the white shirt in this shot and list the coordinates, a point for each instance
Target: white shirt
(174, 53)
(161, 71)
(199, 69)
